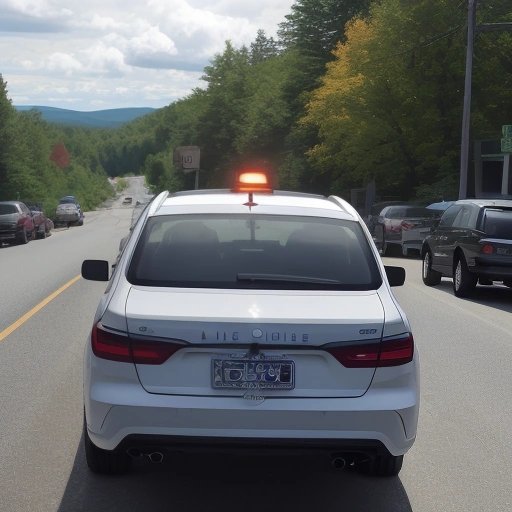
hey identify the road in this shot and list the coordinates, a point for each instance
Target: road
(462, 460)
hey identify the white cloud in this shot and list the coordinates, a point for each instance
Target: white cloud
(102, 58)
(120, 52)
(62, 62)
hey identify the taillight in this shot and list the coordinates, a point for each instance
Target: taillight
(108, 345)
(153, 352)
(396, 351)
(487, 249)
(124, 349)
(357, 356)
(389, 352)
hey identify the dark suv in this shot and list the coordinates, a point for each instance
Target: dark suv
(16, 222)
(472, 243)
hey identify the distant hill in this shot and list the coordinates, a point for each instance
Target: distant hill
(111, 118)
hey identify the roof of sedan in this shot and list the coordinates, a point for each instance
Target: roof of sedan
(236, 202)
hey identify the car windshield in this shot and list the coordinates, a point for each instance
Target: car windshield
(498, 224)
(253, 251)
(6, 209)
(67, 200)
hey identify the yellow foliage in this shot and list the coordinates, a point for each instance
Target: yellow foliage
(343, 78)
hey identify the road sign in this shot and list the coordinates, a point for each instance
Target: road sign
(506, 145)
(187, 158)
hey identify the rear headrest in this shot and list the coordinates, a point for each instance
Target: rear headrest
(190, 232)
(317, 234)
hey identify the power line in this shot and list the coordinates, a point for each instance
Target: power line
(430, 42)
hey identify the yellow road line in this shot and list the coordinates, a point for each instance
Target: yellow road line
(35, 309)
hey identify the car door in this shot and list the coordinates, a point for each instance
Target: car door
(28, 221)
(461, 235)
(441, 241)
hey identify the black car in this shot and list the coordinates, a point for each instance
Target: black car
(472, 244)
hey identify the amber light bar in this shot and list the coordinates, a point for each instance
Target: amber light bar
(252, 181)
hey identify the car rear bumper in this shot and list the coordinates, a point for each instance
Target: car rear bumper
(10, 234)
(67, 218)
(137, 445)
(7, 235)
(324, 423)
(496, 273)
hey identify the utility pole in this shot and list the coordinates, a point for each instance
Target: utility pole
(466, 113)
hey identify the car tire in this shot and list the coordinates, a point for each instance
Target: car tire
(391, 249)
(23, 238)
(384, 465)
(430, 277)
(104, 462)
(42, 234)
(464, 282)
(385, 248)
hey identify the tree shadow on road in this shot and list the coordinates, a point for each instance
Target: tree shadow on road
(208, 482)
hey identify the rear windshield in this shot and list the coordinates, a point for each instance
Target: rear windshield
(67, 200)
(7, 208)
(498, 224)
(253, 251)
(407, 212)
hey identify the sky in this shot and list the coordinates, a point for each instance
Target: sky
(100, 54)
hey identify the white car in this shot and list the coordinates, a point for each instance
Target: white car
(244, 319)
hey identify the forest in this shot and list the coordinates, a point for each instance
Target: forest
(349, 92)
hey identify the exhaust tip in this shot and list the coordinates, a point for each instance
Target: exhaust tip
(156, 457)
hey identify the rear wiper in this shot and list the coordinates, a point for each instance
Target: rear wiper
(284, 278)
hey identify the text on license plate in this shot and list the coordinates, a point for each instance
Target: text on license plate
(252, 374)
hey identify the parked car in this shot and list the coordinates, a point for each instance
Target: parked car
(16, 222)
(402, 227)
(42, 223)
(69, 212)
(472, 244)
(244, 319)
(376, 208)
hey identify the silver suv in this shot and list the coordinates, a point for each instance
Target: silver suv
(238, 320)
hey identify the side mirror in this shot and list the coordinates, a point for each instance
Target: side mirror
(95, 270)
(396, 275)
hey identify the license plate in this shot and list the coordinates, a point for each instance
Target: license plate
(253, 374)
(504, 252)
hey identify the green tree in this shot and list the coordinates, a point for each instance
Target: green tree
(223, 117)
(389, 105)
(263, 48)
(7, 140)
(314, 27)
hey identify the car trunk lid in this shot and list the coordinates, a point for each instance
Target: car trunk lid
(228, 331)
